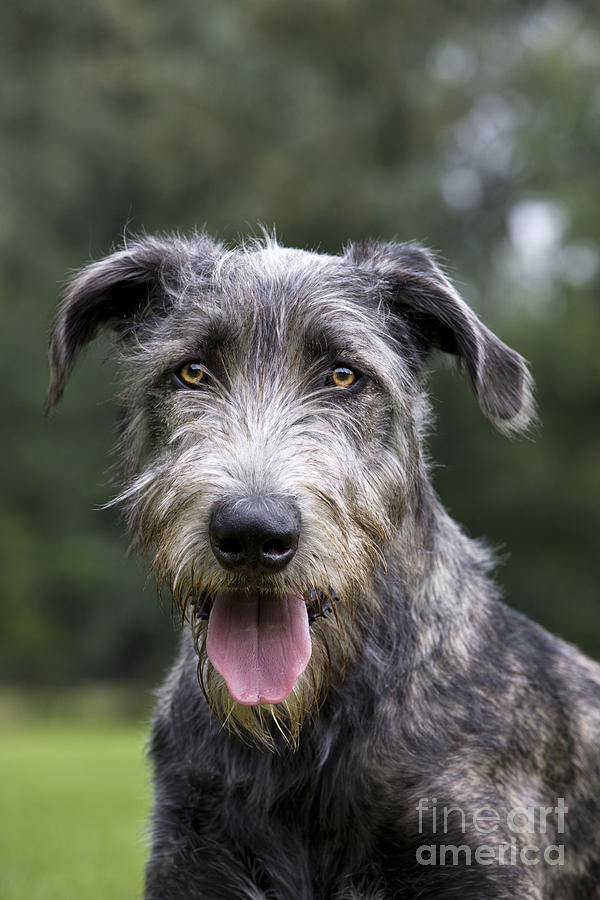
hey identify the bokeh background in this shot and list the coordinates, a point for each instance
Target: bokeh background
(472, 127)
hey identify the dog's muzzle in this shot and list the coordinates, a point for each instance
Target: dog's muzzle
(258, 641)
(257, 534)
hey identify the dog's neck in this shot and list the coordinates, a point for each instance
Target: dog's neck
(434, 579)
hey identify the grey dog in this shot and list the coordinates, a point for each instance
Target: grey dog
(353, 713)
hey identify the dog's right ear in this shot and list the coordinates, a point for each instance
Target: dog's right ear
(118, 293)
(434, 314)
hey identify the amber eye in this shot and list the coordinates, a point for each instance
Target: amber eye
(191, 374)
(343, 377)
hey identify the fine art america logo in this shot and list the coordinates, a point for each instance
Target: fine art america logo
(521, 834)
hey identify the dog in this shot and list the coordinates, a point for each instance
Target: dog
(354, 713)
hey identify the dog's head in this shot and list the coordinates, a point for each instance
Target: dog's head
(271, 444)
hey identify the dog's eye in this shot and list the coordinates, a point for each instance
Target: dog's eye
(343, 377)
(191, 374)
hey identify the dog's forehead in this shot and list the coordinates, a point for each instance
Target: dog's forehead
(272, 260)
(285, 294)
(283, 279)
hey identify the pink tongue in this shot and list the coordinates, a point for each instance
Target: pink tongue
(259, 643)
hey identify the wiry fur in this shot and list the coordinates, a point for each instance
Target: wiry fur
(420, 683)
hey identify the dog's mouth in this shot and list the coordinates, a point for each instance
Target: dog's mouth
(260, 642)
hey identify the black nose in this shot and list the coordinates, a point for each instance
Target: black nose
(255, 533)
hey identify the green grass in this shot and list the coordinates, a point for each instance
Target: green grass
(74, 800)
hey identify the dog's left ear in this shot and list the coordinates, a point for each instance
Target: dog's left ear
(434, 314)
(120, 293)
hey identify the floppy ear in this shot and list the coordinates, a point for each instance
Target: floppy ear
(118, 293)
(432, 311)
